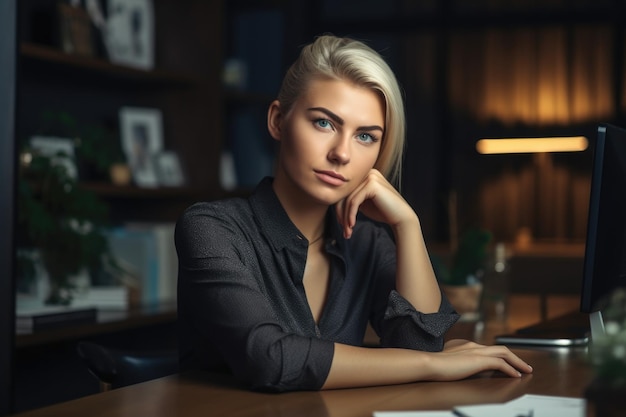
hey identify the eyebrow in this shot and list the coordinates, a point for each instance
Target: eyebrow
(336, 118)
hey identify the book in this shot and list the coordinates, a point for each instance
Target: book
(53, 317)
(148, 251)
(166, 257)
(168, 261)
(103, 297)
(136, 251)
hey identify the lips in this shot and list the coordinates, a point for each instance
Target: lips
(330, 177)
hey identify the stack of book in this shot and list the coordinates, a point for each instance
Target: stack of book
(147, 251)
(103, 297)
(52, 317)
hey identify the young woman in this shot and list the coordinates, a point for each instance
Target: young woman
(279, 288)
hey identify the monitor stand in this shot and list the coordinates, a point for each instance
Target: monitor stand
(596, 324)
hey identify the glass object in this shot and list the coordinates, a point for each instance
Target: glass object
(494, 304)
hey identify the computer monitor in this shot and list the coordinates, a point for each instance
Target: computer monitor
(605, 249)
(604, 267)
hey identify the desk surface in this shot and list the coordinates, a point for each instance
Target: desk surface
(561, 372)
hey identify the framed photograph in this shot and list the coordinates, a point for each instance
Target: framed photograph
(169, 170)
(142, 139)
(129, 33)
(60, 150)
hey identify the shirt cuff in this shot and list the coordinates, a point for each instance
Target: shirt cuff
(434, 324)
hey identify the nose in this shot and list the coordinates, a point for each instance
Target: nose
(340, 151)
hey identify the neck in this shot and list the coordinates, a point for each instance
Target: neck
(306, 215)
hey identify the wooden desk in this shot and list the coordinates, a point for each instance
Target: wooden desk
(562, 372)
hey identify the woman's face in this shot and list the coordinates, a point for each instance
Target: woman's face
(330, 139)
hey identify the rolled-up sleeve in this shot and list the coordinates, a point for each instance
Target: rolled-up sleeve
(224, 311)
(405, 327)
(397, 322)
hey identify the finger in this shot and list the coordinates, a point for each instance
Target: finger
(476, 364)
(506, 368)
(519, 364)
(353, 203)
(511, 358)
(350, 208)
(340, 208)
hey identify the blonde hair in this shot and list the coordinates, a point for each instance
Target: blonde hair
(348, 59)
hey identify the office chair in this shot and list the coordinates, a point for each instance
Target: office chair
(115, 368)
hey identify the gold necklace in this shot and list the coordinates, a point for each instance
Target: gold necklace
(316, 240)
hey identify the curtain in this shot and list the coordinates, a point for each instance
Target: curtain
(536, 76)
(532, 77)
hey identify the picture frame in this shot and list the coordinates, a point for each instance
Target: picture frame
(141, 132)
(169, 169)
(129, 33)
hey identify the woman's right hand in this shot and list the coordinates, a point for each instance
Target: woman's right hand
(461, 359)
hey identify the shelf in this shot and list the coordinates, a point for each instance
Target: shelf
(425, 22)
(244, 97)
(109, 321)
(54, 58)
(107, 190)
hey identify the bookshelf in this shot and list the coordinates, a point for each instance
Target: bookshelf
(184, 84)
(52, 59)
(111, 321)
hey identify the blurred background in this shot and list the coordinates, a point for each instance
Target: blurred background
(189, 82)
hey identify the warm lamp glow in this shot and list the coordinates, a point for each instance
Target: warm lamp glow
(532, 145)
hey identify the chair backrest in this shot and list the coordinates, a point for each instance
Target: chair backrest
(116, 368)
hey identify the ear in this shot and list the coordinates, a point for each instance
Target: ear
(274, 119)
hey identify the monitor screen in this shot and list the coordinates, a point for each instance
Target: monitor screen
(605, 250)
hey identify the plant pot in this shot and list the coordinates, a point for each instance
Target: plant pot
(605, 399)
(465, 299)
(58, 294)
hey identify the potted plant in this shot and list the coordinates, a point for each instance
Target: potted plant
(607, 354)
(461, 276)
(62, 221)
(99, 153)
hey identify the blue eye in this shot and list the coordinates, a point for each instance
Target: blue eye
(366, 137)
(323, 123)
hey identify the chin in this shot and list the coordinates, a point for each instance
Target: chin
(328, 197)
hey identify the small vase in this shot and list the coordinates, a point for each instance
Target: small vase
(465, 299)
(120, 174)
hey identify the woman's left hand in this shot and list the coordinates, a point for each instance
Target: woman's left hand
(376, 198)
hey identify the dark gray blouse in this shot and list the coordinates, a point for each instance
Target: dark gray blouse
(242, 307)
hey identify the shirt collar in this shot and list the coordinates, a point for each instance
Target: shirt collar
(276, 225)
